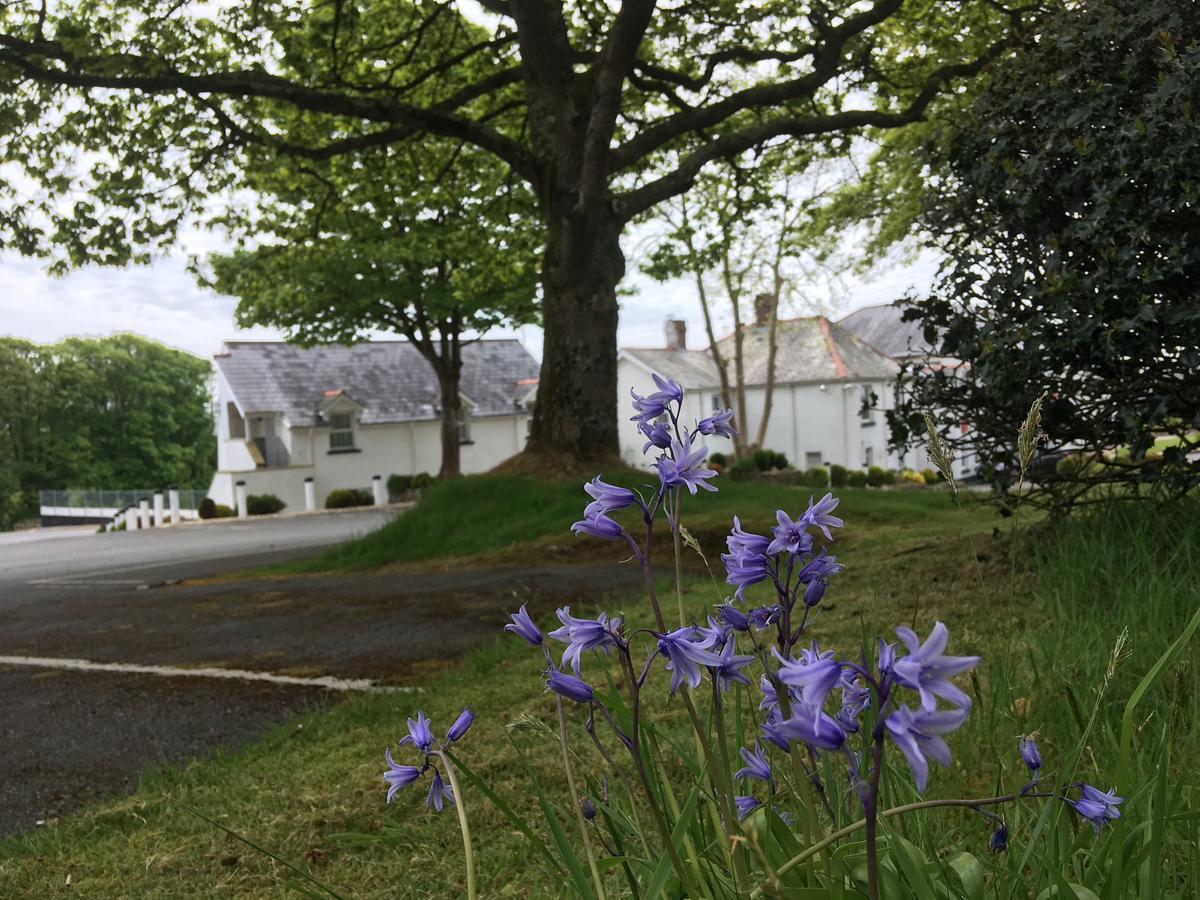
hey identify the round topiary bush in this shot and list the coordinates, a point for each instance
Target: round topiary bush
(225, 512)
(398, 486)
(932, 476)
(743, 469)
(345, 498)
(207, 509)
(856, 478)
(876, 476)
(422, 481)
(718, 459)
(839, 476)
(817, 476)
(264, 504)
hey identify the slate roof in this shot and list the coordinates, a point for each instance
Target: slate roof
(880, 326)
(809, 349)
(389, 379)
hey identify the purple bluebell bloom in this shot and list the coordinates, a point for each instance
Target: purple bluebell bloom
(730, 669)
(715, 635)
(998, 842)
(523, 627)
(815, 592)
(1030, 754)
(918, 735)
(765, 616)
(651, 407)
(814, 674)
(1097, 806)
(746, 563)
(685, 466)
(606, 498)
(745, 806)
(770, 698)
(686, 653)
(657, 435)
(790, 537)
(821, 567)
(420, 735)
(927, 669)
(581, 635)
(398, 776)
(818, 515)
(855, 699)
(600, 526)
(757, 764)
(438, 792)
(569, 686)
(734, 617)
(719, 423)
(588, 807)
(461, 725)
(809, 725)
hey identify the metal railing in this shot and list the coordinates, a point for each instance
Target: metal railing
(80, 498)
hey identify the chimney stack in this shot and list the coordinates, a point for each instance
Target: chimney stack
(762, 310)
(676, 334)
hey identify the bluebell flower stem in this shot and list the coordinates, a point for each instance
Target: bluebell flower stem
(739, 862)
(871, 808)
(583, 832)
(460, 807)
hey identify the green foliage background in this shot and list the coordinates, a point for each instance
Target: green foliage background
(120, 412)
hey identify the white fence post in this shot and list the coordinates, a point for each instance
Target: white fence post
(380, 491)
(144, 512)
(131, 518)
(159, 521)
(173, 502)
(241, 500)
(310, 494)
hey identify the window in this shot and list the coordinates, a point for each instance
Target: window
(716, 405)
(464, 426)
(341, 432)
(870, 455)
(867, 411)
(812, 460)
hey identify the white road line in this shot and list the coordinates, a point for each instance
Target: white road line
(86, 665)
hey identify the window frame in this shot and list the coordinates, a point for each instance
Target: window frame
(337, 431)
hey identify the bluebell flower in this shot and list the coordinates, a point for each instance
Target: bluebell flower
(569, 686)
(599, 525)
(398, 776)
(715, 635)
(746, 563)
(719, 423)
(745, 806)
(581, 635)
(1097, 806)
(815, 592)
(438, 791)
(730, 669)
(918, 735)
(770, 700)
(765, 616)
(815, 574)
(757, 764)
(648, 408)
(606, 498)
(685, 466)
(420, 735)
(1030, 754)
(523, 626)
(461, 725)
(855, 699)
(998, 842)
(734, 617)
(588, 807)
(686, 654)
(813, 675)
(790, 537)
(809, 725)
(818, 515)
(657, 435)
(927, 669)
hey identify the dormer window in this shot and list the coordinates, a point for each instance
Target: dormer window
(341, 432)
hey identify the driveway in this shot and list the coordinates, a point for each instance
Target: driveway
(107, 666)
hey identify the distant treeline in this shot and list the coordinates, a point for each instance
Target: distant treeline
(120, 412)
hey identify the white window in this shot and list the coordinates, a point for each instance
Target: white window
(464, 425)
(716, 406)
(866, 411)
(812, 460)
(341, 432)
(870, 455)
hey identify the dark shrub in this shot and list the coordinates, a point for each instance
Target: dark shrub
(766, 460)
(838, 475)
(876, 476)
(344, 498)
(718, 459)
(817, 476)
(856, 478)
(889, 476)
(422, 481)
(398, 486)
(264, 504)
(932, 476)
(225, 512)
(743, 469)
(207, 508)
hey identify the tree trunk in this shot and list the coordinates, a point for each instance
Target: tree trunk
(575, 419)
(449, 373)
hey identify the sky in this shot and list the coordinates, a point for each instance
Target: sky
(162, 301)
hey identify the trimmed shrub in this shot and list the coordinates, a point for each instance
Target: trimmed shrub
(345, 498)
(766, 460)
(839, 475)
(876, 476)
(817, 476)
(207, 509)
(398, 486)
(889, 476)
(225, 512)
(908, 476)
(422, 481)
(264, 504)
(932, 476)
(743, 469)
(856, 478)
(718, 459)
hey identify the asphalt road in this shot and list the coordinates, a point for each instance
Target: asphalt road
(69, 736)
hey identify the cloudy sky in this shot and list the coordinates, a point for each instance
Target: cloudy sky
(162, 301)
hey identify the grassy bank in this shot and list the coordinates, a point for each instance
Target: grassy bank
(1045, 609)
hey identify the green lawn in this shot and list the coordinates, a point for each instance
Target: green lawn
(1044, 607)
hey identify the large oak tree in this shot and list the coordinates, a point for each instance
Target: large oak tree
(131, 115)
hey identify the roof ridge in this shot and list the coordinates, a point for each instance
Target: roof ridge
(834, 353)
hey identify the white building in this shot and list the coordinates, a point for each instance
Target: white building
(342, 415)
(822, 375)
